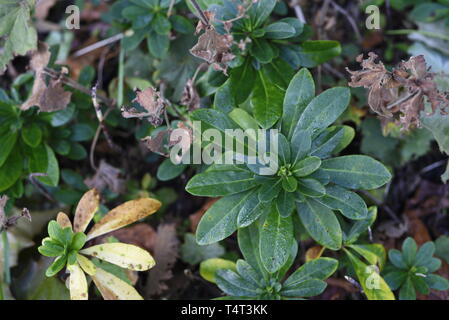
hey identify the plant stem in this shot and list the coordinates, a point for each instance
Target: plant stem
(200, 12)
(121, 75)
(6, 273)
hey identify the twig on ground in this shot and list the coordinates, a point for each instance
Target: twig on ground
(201, 14)
(99, 44)
(349, 18)
(38, 186)
(298, 11)
(101, 127)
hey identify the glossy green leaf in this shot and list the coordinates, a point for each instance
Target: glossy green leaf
(242, 81)
(266, 101)
(356, 172)
(307, 288)
(31, 135)
(323, 110)
(248, 240)
(11, 170)
(289, 184)
(300, 92)
(350, 204)
(220, 183)
(168, 170)
(285, 203)
(321, 223)
(220, 221)
(320, 268)
(279, 30)
(7, 141)
(276, 237)
(315, 52)
(306, 166)
(262, 51)
(158, 44)
(311, 188)
(269, 190)
(252, 210)
(300, 145)
(56, 266)
(233, 284)
(260, 11)
(332, 140)
(407, 291)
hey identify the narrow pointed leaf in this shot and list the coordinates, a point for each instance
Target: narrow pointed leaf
(113, 288)
(276, 237)
(324, 109)
(300, 92)
(350, 204)
(123, 215)
(220, 221)
(86, 209)
(321, 223)
(124, 255)
(85, 264)
(77, 283)
(220, 183)
(356, 172)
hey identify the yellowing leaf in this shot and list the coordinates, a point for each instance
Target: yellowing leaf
(87, 265)
(209, 267)
(77, 283)
(374, 286)
(113, 288)
(314, 253)
(124, 255)
(86, 209)
(63, 220)
(123, 215)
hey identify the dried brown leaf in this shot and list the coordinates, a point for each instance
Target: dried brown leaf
(214, 48)
(107, 176)
(152, 102)
(48, 98)
(399, 95)
(165, 253)
(160, 143)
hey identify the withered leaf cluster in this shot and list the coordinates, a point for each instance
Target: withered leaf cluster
(8, 222)
(213, 47)
(48, 98)
(106, 176)
(152, 102)
(399, 95)
(163, 141)
(165, 252)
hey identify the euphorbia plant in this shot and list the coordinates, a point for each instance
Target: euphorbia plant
(67, 244)
(309, 181)
(251, 280)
